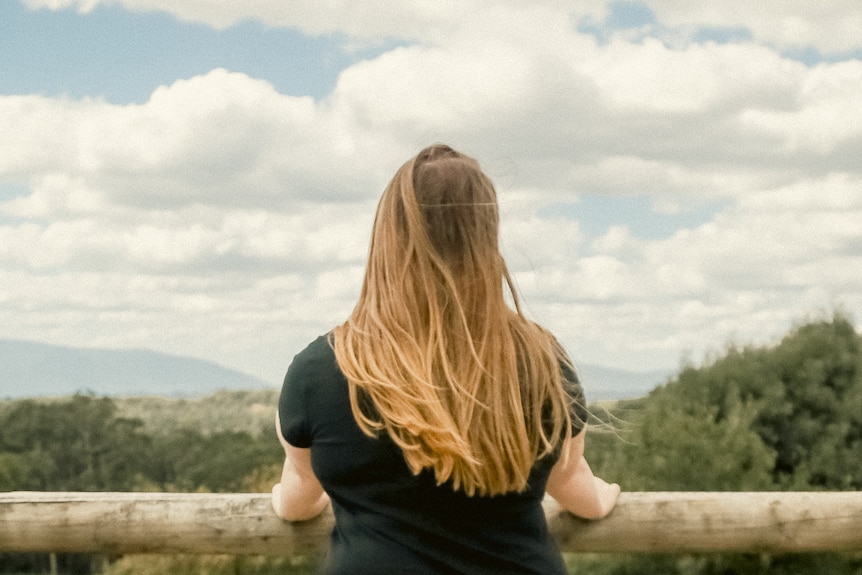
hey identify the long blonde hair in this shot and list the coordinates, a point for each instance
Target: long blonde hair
(433, 354)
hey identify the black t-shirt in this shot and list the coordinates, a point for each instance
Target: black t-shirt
(388, 520)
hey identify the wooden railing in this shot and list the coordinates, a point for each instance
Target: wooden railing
(671, 522)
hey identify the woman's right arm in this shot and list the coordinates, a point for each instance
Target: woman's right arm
(299, 495)
(573, 485)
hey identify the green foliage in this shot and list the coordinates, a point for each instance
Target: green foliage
(250, 411)
(782, 417)
(752, 564)
(213, 565)
(815, 426)
(670, 453)
(75, 445)
(759, 418)
(16, 469)
(806, 397)
(785, 417)
(188, 461)
(84, 444)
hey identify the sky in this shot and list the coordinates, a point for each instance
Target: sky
(199, 177)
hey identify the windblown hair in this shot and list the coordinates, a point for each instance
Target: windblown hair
(434, 356)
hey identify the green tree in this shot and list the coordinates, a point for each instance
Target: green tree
(73, 445)
(782, 417)
(682, 447)
(815, 426)
(15, 471)
(187, 460)
(787, 416)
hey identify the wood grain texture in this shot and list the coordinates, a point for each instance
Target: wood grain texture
(669, 522)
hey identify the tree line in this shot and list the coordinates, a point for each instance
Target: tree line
(784, 417)
(82, 443)
(758, 418)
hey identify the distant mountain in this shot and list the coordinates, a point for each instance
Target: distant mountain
(604, 383)
(30, 369)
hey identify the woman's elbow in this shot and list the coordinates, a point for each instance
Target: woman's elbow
(292, 509)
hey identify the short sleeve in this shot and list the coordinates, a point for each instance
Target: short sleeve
(578, 410)
(292, 408)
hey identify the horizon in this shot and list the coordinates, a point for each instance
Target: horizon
(199, 179)
(59, 371)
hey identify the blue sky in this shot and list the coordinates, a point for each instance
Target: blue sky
(598, 213)
(199, 178)
(119, 56)
(123, 56)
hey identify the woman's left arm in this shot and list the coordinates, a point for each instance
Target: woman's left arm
(299, 495)
(574, 486)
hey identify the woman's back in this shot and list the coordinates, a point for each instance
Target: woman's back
(436, 416)
(464, 384)
(389, 520)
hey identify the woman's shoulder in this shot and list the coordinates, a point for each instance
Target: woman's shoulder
(320, 347)
(318, 358)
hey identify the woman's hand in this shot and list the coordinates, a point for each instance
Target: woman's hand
(606, 497)
(574, 486)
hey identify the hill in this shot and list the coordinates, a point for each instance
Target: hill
(31, 369)
(605, 383)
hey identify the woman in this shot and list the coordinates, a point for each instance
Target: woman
(437, 417)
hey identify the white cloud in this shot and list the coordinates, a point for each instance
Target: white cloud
(220, 139)
(652, 76)
(571, 115)
(761, 264)
(223, 219)
(832, 27)
(827, 116)
(168, 242)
